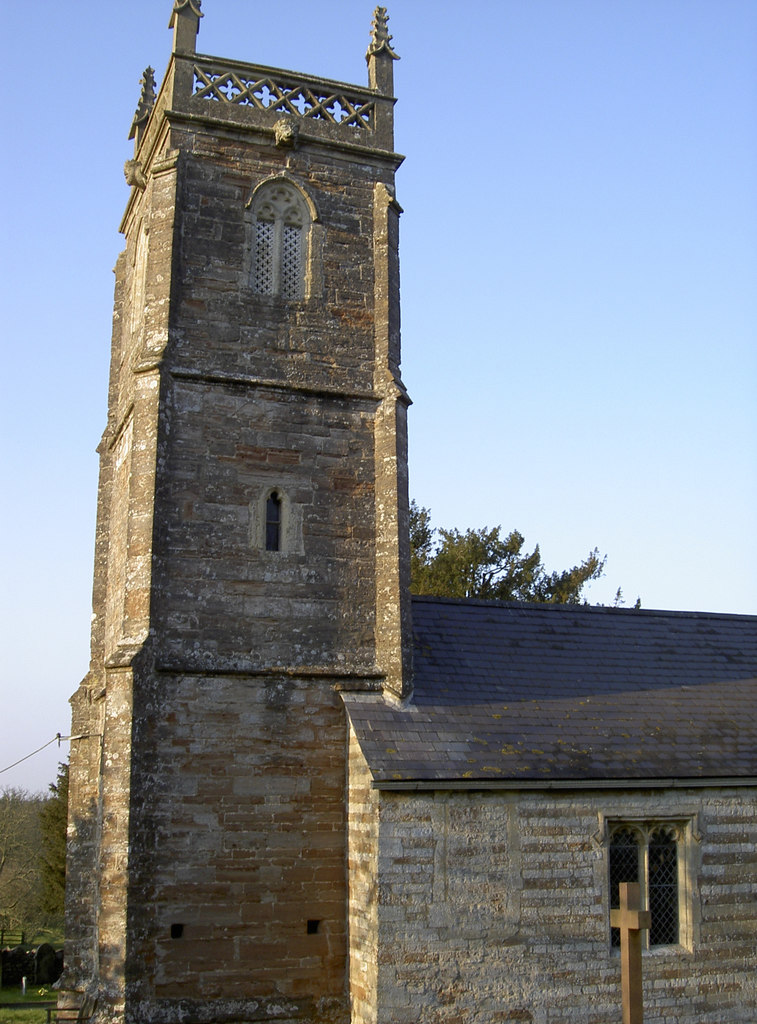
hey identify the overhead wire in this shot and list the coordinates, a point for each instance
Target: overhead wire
(56, 738)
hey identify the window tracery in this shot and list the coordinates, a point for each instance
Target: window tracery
(648, 853)
(281, 223)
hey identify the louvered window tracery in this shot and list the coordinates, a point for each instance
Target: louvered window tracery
(280, 222)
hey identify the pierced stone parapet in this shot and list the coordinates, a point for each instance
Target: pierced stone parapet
(268, 90)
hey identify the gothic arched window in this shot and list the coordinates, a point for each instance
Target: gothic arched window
(647, 853)
(281, 221)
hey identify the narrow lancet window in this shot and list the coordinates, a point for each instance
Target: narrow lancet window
(273, 523)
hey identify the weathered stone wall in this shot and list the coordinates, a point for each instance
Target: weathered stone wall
(363, 831)
(237, 887)
(493, 906)
(219, 598)
(83, 837)
(392, 538)
(256, 395)
(220, 325)
(99, 795)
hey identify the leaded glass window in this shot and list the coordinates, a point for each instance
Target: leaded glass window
(624, 867)
(663, 887)
(647, 853)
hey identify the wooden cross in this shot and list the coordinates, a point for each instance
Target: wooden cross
(631, 919)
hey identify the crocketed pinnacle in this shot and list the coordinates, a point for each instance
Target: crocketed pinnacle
(146, 101)
(179, 6)
(380, 38)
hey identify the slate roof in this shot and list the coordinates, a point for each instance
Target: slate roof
(552, 693)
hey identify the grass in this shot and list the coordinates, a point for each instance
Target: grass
(53, 936)
(25, 1016)
(34, 994)
(31, 1014)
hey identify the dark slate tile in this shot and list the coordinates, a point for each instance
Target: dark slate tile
(569, 692)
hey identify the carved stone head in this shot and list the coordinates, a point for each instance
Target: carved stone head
(286, 131)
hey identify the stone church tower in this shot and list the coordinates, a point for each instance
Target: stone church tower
(251, 554)
(264, 826)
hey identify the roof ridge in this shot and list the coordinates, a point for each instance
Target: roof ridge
(600, 609)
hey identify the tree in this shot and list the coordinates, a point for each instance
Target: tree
(53, 820)
(482, 563)
(33, 856)
(19, 846)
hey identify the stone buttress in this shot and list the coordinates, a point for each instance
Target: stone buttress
(251, 552)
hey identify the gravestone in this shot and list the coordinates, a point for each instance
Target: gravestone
(45, 965)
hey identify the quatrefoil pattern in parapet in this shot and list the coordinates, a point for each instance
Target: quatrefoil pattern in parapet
(294, 98)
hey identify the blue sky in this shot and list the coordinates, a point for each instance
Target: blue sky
(579, 261)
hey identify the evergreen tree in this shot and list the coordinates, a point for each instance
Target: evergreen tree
(53, 818)
(482, 563)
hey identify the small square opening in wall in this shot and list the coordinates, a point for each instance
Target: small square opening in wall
(177, 931)
(313, 926)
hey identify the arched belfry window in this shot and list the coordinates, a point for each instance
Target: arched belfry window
(281, 223)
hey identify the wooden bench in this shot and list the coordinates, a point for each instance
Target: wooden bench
(48, 1007)
(54, 1015)
(73, 1014)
